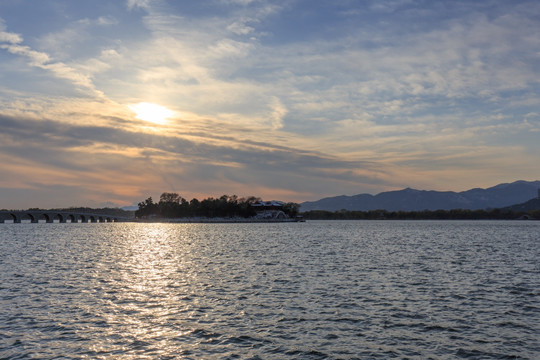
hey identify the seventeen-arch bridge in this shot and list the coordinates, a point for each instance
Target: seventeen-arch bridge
(49, 216)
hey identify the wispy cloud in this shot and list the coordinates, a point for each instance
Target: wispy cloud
(13, 43)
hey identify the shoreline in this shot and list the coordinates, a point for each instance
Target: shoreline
(216, 220)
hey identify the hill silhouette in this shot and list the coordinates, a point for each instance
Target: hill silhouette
(499, 196)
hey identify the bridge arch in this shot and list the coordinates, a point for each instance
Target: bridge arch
(44, 216)
(10, 217)
(27, 216)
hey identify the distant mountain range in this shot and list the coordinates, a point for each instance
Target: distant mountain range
(502, 195)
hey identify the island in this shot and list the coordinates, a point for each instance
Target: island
(174, 208)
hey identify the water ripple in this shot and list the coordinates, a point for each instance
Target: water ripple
(318, 290)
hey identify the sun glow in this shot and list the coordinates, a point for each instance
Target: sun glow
(153, 113)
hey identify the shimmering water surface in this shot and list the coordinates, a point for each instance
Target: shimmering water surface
(314, 290)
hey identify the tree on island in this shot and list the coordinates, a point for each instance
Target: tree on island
(147, 208)
(291, 209)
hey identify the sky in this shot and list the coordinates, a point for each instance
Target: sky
(105, 103)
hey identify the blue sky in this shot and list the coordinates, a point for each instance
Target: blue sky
(289, 100)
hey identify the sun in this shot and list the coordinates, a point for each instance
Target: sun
(153, 113)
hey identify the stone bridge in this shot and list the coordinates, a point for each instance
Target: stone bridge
(49, 216)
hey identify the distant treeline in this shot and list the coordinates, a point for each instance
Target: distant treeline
(172, 205)
(455, 214)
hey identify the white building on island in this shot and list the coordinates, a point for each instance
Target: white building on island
(269, 210)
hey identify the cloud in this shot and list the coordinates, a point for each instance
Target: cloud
(106, 21)
(131, 4)
(79, 40)
(389, 5)
(229, 49)
(8, 37)
(278, 112)
(239, 2)
(240, 28)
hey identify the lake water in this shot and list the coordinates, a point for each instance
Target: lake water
(313, 290)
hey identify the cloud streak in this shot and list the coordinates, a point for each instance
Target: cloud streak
(72, 150)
